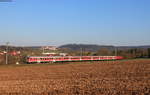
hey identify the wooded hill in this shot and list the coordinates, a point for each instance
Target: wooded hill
(90, 47)
(90, 50)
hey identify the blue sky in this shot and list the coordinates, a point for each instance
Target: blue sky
(58, 22)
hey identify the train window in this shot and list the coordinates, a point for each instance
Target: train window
(75, 58)
(95, 57)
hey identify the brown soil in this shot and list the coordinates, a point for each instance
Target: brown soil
(130, 77)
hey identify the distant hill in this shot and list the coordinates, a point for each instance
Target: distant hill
(77, 47)
(86, 47)
(90, 47)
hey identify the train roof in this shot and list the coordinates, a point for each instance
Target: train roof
(66, 56)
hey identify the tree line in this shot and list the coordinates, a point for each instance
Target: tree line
(126, 53)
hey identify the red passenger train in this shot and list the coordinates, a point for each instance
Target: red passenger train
(46, 59)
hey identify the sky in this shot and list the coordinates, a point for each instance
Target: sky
(58, 22)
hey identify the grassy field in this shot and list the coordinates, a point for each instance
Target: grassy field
(126, 77)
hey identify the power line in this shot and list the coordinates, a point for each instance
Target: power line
(116, 51)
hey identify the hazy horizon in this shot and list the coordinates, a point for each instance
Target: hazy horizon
(10, 44)
(59, 22)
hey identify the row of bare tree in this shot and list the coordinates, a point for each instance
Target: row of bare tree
(127, 53)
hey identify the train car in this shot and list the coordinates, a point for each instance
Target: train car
(47, 59)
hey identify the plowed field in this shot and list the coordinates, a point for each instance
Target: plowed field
(130, 77)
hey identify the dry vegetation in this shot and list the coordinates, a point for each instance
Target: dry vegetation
(130, 77)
